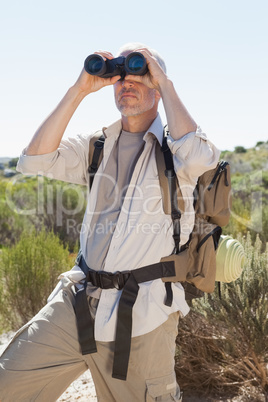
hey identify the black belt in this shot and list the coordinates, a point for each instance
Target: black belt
(128, 281)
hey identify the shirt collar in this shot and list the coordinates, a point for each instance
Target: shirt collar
(113, 130)
(155, 129)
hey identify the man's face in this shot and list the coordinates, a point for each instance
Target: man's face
(133, 98)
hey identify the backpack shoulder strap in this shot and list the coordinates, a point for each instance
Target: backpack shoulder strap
(164, 161)
(173, 202)
(95, 154)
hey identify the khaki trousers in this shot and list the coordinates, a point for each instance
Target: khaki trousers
(44, 358)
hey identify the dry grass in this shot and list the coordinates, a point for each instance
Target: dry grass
(214, 362)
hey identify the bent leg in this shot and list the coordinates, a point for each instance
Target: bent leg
(44, 357)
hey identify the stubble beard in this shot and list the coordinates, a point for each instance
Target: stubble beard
(128, 109)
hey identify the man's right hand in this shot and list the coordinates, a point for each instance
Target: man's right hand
(48, 136)
(88, 83)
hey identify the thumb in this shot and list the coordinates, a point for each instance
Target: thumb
(113, 80)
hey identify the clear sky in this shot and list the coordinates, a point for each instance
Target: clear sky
(216, 54)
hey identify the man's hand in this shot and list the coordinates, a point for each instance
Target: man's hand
(48, 136)
(156, 77)
(88, 83)
(179, 120)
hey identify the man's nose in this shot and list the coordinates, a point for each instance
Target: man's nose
(127, 83)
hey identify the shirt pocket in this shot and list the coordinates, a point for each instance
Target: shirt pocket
(162, 389)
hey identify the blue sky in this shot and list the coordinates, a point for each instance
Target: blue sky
(215, 51)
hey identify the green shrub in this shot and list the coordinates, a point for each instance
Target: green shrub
(38, 201)
(259, 143)
(240, 150)
(13, 162)
(28, 273)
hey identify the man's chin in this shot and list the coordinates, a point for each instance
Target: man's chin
(128, 112)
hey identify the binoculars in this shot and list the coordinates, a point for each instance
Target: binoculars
(135, 64)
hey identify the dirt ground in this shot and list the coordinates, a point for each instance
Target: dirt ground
(83, 390)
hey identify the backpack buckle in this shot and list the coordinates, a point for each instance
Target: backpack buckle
(118, 280)
(109, 280)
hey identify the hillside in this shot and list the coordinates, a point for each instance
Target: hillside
(249, 174)
(244, 160)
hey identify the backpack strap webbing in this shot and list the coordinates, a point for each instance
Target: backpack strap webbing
(173, 187)
(95, 154)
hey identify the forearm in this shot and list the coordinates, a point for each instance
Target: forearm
(179, 120)
(48, 136)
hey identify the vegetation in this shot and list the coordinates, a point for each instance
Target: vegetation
(249, 210)
(29, 271)
(34, 202)
(13, 162)
(240, 150)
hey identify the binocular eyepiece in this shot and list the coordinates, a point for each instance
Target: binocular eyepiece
(135, 64)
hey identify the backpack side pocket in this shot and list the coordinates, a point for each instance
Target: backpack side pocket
(213, 197)
(196, 264)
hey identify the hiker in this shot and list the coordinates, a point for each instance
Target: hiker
(112, 313)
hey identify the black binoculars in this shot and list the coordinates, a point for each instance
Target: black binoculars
(135, 64)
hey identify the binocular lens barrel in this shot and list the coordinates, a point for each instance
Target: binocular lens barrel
(95, 64)
(135, 63)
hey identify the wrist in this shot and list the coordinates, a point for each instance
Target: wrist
(76, 94)
(165, 85)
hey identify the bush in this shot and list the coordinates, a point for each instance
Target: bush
(28, 273)
(222, 344)
(37, 202)
(240, 150)
(13, 162)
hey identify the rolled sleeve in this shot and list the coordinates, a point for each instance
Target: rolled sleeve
(68, 163)
(193, 154)
(32, 164)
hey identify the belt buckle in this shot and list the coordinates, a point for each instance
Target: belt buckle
(120, 279)
(116, 280)
(105, 280)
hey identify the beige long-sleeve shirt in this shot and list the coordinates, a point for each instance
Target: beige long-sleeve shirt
(143, 233)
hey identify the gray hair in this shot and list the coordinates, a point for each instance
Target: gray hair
(133, 46)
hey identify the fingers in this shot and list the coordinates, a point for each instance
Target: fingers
(146, 53)
(105, 54)
(112, 80)
(136, 78)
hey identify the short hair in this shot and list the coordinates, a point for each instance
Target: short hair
(132, 46)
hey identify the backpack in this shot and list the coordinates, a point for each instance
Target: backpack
(195, 261)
